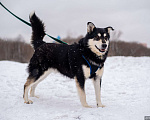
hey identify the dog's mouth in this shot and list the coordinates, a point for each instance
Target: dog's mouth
(101, 50)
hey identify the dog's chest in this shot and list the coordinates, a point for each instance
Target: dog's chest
(87, 71)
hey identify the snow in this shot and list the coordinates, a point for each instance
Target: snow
(125, 92)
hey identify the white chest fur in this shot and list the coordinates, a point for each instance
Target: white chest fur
(86, 71)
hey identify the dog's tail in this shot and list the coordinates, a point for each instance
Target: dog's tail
(38, 32)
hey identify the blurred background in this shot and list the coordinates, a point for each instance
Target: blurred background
(67, 19)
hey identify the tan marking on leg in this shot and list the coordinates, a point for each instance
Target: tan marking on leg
(97, 87)
(46, 73)
(32, 91)
(98, 92)
(27, 86)
(82, 95)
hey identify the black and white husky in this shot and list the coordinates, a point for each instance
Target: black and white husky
(80, 61)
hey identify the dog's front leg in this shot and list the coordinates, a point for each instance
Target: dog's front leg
(97, 86)
(81, 92)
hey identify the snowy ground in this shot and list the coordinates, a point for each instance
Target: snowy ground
(125, 92)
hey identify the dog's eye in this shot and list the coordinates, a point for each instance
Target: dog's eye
(105, 38)
(96, 38)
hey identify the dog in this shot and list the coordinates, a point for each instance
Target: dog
(80, 61)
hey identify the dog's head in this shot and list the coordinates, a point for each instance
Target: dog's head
(97, 39)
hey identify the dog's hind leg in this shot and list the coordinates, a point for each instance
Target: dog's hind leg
(32, 90)
(81, 93)
(30, 81)
(45, 74)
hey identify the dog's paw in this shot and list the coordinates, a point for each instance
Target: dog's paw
(87, 106)
(34, 96)
(28, 102)
(37, 96)
(100, 105)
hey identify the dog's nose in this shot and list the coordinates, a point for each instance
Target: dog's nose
(104, 46)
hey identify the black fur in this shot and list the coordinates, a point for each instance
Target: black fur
(67, 59)
(37, 31)
(72, 61)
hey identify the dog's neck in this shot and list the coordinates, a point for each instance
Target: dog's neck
(89, 55)
(93, 58)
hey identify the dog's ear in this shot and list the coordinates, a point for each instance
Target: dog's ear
(90, 27)
(109, 28)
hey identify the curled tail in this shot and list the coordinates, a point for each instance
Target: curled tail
(38, 32)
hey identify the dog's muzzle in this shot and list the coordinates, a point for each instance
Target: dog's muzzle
(103, 47)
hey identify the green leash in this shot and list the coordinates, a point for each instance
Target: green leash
(91, 71)
(30, 24)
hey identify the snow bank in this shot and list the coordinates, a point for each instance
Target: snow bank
(125, 92)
